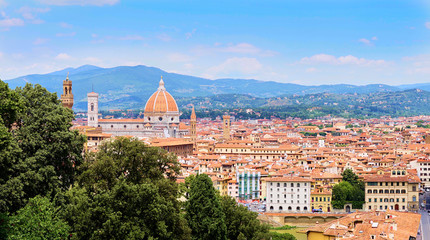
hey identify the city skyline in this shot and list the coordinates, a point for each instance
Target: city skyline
(310, 43)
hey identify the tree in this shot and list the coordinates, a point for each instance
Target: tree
(342, 193)
(204, 212)
(127, 191)
(4, 226)
(38, 220)
(349, 176)
(350, 190)
(128, 158)
(242, 223)
(39, 153)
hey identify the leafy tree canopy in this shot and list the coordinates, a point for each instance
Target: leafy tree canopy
(38, 220)
(204, 212)
(39, 153)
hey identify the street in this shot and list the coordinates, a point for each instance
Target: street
(425, 218)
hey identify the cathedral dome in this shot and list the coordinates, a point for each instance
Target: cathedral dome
(161, 101)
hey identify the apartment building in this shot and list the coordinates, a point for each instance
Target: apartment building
(395, 190)
(288, 194)
(248, 184)
(423, 169)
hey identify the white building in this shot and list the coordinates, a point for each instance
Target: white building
(288, 194)
(423, 169)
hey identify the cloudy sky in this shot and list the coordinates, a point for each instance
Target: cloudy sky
(306, 42)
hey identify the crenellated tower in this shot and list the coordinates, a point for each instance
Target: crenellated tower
(67, 96)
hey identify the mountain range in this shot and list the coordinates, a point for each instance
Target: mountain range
(129, 87)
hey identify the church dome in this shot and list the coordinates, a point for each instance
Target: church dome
(161, 101)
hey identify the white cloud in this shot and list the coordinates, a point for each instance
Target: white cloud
(11, 22)
(1, 54)
(71, 34)
(311, 70)
(65, 25)
(3, 3)
(342, 60)
(79, 2)
(164, 37)
(235, 66)
(188, 35)
(132, 37)
(365, 41)
(40, 41)
(427, 24)
(63, 56)
(29, 13)
(418, 64)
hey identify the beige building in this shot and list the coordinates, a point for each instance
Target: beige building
(396, 190)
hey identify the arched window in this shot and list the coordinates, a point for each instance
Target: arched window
(369, 191)
(414, 198)
(298, 208)
(92, 107)
(289, 209)
(375, 191)
(305, 208)
(65, 90)
(271, 207)
(280, 208)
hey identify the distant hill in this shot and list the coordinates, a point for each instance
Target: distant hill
(410, 102)
(128, 87)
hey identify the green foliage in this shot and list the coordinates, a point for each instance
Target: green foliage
(285, 227)
(39, 154)
(127, 191)
(204, 212)
(349, 176)
(4, 226)
(241, 222)
(350, 190)
(307, 134)
(128, 158)
(127, 211)
(38, 220)
(281, 236)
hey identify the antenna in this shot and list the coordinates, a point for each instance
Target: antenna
(92, 87)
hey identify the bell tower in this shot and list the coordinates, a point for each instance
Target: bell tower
(226, 127)
(67, 96)
(93, 109)
(193, 127)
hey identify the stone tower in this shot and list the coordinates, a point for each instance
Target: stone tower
(193, 127)
(93, 109)
(67, 96)
(226, 127)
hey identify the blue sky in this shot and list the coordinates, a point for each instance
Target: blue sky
(305, 42)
